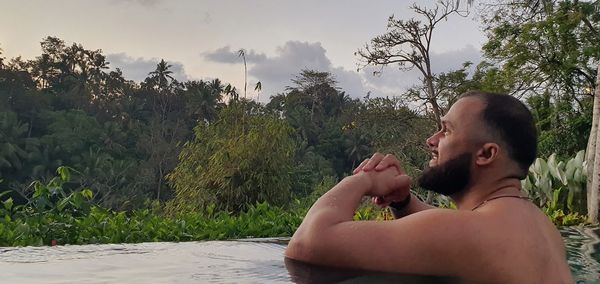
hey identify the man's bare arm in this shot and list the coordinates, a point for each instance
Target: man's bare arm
(412, 244)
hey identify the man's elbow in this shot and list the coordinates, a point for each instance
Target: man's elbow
(298, 249)
(301, 247)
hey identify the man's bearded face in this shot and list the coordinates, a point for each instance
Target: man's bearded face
(450, 177)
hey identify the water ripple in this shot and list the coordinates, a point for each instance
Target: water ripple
(583, 253)
(240, 261)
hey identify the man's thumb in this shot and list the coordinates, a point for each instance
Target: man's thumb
(402, 181)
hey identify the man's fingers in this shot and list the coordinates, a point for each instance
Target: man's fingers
(373, 162)
(389, 161)
(360, 167)
(379, 201)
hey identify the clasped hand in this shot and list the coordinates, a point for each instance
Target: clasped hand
(389, 182)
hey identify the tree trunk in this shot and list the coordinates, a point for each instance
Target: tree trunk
(593, 164)
(435, 107)
(160, 180)
(438, 118)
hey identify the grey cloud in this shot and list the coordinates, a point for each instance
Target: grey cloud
(351, 82)
(276, 72)
(290, 59)
(137, 69)
(226, 55)
(447, 61)
(390, 80)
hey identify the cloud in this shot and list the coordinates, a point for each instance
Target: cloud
(137, 69)
(276, 72)
(226, 55)
(290, 59)
(447, 61)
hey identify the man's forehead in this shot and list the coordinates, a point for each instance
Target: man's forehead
(465, 110)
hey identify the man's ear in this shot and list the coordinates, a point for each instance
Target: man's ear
(487, 154)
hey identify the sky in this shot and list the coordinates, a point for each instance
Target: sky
(200, 39)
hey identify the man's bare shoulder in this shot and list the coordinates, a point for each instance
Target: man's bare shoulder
(504, 237)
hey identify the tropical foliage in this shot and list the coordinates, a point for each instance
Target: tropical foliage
(559, 188)
(52, 216)
(164, 159)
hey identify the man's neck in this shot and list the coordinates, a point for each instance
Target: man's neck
(478, 193)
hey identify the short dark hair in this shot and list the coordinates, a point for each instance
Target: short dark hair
(512, 122)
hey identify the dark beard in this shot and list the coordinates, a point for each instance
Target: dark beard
(448, 178)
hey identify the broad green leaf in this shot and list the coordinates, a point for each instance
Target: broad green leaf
(579, 158)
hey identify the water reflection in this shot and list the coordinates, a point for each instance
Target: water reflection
(241, 261)
(583, 253)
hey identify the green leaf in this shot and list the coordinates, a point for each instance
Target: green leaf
(579, 158)
(8, 204)
(65, 174)
(87, 193)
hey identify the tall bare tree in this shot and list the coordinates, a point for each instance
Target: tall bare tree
(407, 45)
(242, 54)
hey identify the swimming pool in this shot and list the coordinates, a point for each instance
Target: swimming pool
(243, 261)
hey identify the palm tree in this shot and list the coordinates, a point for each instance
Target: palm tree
(14, 144)
(242, 54)
(258, 88)
(203, 99)
(231, 92)
(161, 75)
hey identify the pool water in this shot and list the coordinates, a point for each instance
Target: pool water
(583, 253)
(243, 261)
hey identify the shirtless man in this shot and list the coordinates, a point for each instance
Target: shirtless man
(485, 147)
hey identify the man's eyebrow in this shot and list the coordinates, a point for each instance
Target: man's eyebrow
(447, 123)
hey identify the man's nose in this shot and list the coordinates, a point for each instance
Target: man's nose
(432, 141)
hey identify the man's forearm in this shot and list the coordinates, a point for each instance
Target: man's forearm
(340, 202)
(334, 207)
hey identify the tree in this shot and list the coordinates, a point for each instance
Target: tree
(407, 45)
(203, 100)
(242, 54)
(550, 49)
(317, 85)
(15, 146)
(593, 158)
(560, 124)
(161, 78)
(166, 123)
(231, 165)
(1, 60)
(392, 127)
(258, 88)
